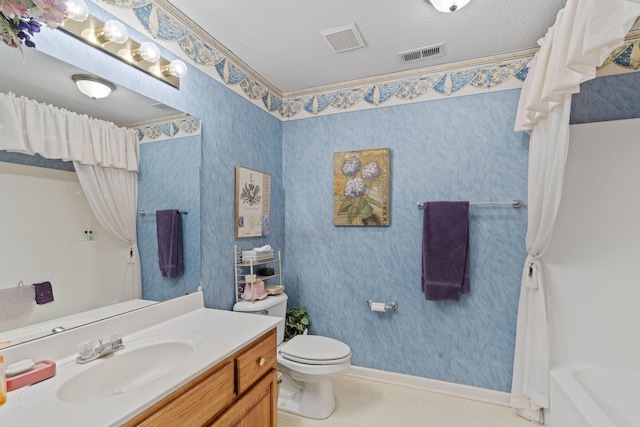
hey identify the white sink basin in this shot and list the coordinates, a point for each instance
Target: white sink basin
(125, 370)
(141, 364)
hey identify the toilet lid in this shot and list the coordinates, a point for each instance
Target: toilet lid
(315, 350)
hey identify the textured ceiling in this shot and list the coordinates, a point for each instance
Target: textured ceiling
(282, 40)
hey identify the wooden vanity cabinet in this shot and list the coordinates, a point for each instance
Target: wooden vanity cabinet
(239, 391)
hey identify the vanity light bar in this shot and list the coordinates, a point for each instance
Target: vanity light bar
(127, 52)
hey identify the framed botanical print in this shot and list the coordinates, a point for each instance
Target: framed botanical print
(253, 203)
(361, 187)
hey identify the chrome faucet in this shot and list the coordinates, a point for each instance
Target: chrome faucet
(87, 353)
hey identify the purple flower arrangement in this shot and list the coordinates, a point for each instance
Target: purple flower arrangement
(22, 19)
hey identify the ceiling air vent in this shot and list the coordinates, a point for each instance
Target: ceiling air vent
(423, 53)
(344, 38)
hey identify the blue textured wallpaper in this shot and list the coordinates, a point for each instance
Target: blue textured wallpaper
(455, 149)
(236, 134)
(607, 98)
(168, 179)
(35, 160)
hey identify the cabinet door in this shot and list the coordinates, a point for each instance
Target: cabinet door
(195, 403)
(256, 408)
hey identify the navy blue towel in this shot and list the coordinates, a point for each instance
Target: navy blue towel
(169, 230)
(445, 250)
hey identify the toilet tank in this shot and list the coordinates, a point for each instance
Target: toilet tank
(272, 305)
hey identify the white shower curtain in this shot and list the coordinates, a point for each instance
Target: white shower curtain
(583, 36)
(113, 196)
(548, 149)
(27, 126)
(105, 157)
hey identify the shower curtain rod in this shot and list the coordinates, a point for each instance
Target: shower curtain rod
(182, 211)
(515, 203)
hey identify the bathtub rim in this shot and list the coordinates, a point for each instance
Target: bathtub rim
(563, 379)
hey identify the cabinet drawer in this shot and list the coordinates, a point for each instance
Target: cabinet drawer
(194, 404)
(255, 362)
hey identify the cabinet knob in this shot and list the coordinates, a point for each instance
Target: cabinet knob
(262, 361)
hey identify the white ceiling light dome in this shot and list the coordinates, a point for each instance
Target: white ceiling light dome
(92, 86)
(448, 5)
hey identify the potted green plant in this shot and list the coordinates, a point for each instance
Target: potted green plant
(296, 322)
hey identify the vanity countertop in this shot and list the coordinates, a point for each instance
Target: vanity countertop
(215, 334)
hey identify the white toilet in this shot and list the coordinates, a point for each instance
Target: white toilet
(309, 363)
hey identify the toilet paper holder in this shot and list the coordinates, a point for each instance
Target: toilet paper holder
(381, 307)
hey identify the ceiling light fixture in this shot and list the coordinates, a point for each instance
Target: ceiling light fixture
(146, 52)
(77, 10)
(92, 86)
(113, 31)
(111, 37)
(448, 5)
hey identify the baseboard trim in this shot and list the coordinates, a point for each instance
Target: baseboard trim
(458, 390)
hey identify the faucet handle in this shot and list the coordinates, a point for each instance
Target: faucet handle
(116, 337)
(116, 340)
(85, 349)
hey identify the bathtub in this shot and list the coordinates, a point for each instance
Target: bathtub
(588, 396)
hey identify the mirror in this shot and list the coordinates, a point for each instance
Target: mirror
(68, 246)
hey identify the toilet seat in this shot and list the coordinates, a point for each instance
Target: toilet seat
(315, 350)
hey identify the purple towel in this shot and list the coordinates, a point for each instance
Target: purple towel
(44, 292)
(445, 250)
(169, 230)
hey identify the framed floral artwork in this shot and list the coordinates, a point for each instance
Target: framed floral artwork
(361, 188)
(253, 203)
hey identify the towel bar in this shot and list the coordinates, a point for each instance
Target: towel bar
(182, 211)
(516, 203)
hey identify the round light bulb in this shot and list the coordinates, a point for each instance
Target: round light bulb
(178, 68)
(77, 10)
(115, 32)
(149, 52)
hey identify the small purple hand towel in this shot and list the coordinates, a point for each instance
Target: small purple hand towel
(170, 252)
(445, 250)
(44, 292)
